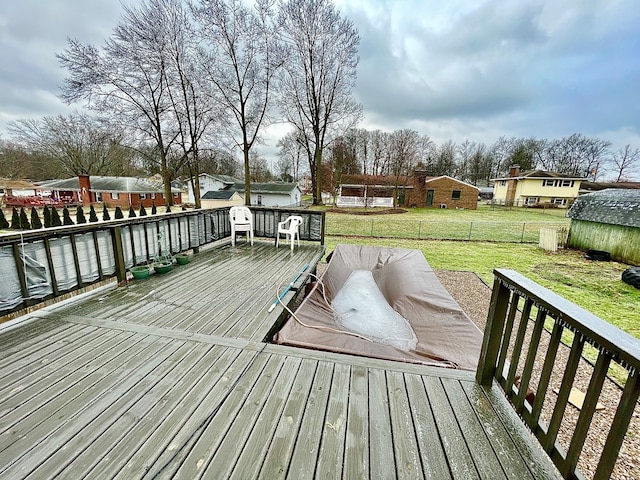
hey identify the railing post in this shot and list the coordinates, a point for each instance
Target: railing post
(118, 251)
(493, 333)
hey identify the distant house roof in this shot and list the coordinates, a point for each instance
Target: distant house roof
(431, 179)
(266, 188)
(218, 195)
(16, 184)
(540, 174)
(226, 179)
(109, 184)
(614, 206)
(377, 180)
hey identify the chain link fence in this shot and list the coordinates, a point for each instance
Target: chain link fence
(515, 232)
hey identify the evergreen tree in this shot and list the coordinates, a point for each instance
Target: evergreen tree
(132, 212)
(24, 220)
(105, 213)
(35, 219)
(55, 218)
(168, 209)
(3, 221)
(46, 214)
(93, 217)
(15, 219)
(119, 214)
(66, 218)
(154, 210)
(143, 212)
(80, 218)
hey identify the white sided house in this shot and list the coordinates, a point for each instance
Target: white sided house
(273, 194)
(210, 183)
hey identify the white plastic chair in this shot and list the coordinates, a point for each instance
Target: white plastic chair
(290, 227)
(241, 220)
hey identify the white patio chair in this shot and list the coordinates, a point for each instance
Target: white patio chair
(241, 220)
(290, 227)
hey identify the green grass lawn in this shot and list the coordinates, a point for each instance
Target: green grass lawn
(484, 224)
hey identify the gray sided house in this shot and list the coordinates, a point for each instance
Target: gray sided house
(607, 220)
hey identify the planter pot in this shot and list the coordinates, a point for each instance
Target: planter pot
(162, 267)
(183, 258)
(140, 272)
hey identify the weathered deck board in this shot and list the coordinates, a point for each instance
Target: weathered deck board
(161, 379)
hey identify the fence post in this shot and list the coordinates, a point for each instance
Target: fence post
(420, 229)
(118, 252)
(524, 225)
(470, 229)
(371, 227)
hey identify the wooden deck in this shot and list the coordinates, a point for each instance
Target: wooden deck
(169, 377)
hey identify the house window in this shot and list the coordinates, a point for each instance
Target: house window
(143, 196)
(115, 196)
(98, 196)
(567, 183)
(531, 200)
(153, 196)
(1, 190)
(559, 201)
(175, 195)
(259, 199)
(548, 183)
(503, 183)
(455, 195)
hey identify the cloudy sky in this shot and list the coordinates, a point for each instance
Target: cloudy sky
(455, 69)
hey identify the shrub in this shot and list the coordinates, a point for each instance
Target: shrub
(35, 219)
(154, 210)
(80, 218)
(15, 219)
(143, 212)
(132, 213)
(66, 218)
(105, 213)
(93, 217)
(46, 214)
(55, 218)
(24, 221)
(3, 221)
(118, 213)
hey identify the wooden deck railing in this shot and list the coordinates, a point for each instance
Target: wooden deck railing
(39, 265)
(512, 345)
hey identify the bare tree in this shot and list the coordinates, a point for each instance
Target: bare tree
(80, 144)
(127, 82)
(318, 77)
(290, 153)
(241, 57)
(624, 160)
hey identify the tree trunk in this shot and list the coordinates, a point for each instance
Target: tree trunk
(317, 186)
(247, 176)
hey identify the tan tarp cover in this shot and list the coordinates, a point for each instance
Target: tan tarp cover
(446, 336)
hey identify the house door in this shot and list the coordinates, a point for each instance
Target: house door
(429, 198)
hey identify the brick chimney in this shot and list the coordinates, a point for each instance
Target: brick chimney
(419, 196)
(85, 189)
(514, 171)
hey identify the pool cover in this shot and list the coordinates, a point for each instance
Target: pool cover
(446, 336)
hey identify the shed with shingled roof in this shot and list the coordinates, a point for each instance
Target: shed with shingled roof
(608, 220)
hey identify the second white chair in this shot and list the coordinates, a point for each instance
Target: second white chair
(290, 227)
(241, 220)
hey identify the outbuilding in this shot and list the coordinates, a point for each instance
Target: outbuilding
(608, 220)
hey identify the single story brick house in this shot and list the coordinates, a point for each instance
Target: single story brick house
(417, 190)
(112, 191)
